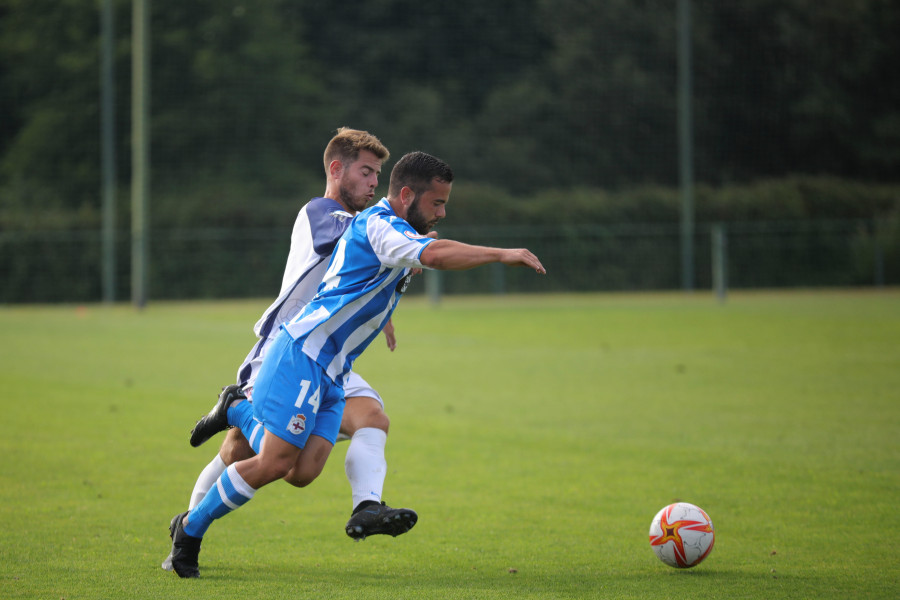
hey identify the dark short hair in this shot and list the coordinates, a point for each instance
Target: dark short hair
(417, 171)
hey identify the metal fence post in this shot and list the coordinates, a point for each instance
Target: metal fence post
(686, 144)
(108, 149)
(719, 261)
(140, 143)
(879, 255)
(433, 286)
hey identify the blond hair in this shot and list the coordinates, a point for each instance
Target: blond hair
(347, 143)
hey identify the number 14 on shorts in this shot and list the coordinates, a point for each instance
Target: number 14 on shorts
(313, 399)
(298, 422)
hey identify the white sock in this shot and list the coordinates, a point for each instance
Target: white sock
(207, 479)
(365, 464)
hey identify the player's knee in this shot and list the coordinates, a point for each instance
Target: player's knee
(378, 420)
(361, 413)
(296, 480)
(309, 463)
(301, 477)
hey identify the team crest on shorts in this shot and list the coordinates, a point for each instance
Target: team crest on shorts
(297, 424)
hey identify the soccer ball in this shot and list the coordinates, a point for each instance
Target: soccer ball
(682, 535)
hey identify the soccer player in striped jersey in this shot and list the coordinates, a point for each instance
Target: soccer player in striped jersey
(299, 391)
(353, 161)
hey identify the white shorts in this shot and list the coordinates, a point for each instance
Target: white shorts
(354, 386)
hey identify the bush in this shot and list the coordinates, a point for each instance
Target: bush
(221, 239)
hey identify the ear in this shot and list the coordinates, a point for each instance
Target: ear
(407, 196)
(335, 169)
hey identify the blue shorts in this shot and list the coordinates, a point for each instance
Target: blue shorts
(293, 397)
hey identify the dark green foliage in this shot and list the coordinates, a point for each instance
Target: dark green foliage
(791, 232)
(557, 115)
(524, 95)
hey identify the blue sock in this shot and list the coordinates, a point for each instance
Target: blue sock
(241, 416)
(229, 492)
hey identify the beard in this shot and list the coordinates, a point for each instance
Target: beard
(354, 203)
(418, 221)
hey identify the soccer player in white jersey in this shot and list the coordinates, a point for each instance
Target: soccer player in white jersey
(353, 161)
(299, 390)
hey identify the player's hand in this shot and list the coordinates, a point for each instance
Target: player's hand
(389, 335)
(522, 257)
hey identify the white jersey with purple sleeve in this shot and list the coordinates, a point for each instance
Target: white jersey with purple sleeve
(319, 225)
(368, 273)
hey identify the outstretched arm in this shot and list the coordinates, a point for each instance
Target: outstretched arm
(448, 255)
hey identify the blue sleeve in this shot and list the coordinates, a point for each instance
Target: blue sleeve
(327, 222)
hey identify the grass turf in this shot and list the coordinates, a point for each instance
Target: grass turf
(536, 436)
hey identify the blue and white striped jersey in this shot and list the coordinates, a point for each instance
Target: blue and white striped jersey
(319, 225)
(368, 273)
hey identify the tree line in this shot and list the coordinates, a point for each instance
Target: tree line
(533, 98)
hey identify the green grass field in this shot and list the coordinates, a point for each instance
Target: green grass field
(536, 437)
